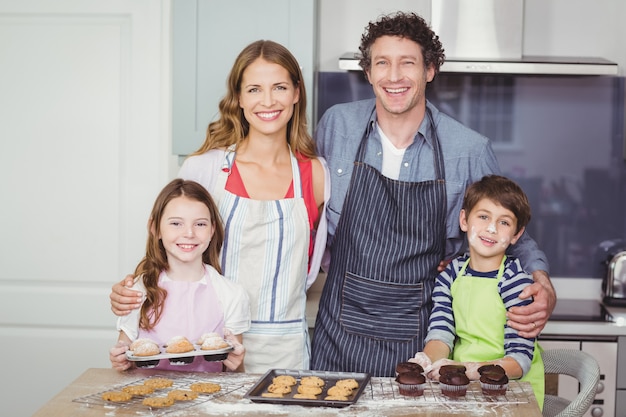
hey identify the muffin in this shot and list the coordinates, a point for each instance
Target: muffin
(144, 347)
(179, 344)
(409, 367)
(493, 380)
(411, 383)
(452, 380)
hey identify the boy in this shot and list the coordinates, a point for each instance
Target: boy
(472, 296)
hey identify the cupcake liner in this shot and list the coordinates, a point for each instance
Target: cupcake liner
(412, 390)
(453, 390)
(494, 389)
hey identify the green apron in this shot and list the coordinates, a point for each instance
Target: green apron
(480, 317)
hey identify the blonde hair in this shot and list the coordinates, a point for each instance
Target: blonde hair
(232, 127)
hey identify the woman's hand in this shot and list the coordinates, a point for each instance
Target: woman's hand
(123, 299)
(530, 320)
(117, 355)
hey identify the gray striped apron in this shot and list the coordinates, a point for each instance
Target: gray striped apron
(375, 305)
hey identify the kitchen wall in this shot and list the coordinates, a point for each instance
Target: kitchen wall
(555, 27)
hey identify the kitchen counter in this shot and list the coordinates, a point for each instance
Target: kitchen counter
(83, 397)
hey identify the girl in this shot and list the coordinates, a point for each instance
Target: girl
(185, 294)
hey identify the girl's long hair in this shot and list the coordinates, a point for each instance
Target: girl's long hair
(232, 127)
(155, 261)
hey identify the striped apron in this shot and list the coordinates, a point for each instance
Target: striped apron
(375, 305)
(265, 249)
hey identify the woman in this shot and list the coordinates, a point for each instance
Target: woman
(258, 162)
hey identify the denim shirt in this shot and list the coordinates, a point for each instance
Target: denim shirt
(468, 156)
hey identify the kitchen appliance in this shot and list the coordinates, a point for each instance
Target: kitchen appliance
(486, 36)
(614, 271)
(580, 310)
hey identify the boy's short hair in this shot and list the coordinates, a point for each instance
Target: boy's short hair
(502, 191)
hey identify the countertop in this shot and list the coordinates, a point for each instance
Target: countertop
(380, 398)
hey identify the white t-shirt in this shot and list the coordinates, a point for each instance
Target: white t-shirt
(392, 156)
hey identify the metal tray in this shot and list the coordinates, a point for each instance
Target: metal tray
(330, 378)
(179, 358)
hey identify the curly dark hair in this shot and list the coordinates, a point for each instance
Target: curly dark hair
(404, 25)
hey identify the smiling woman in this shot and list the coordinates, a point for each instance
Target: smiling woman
(258, 162)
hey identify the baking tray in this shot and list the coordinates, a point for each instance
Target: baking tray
(180, 358)
(330, 378)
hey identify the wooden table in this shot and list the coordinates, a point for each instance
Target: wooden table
(380, 398)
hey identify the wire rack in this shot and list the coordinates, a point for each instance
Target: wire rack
(135, 405)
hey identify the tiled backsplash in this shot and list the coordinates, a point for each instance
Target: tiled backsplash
(560, 137)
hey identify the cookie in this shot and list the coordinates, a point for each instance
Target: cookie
(336, 398)
(336, 391)
(312, 380)
(309, 389)
(348, 383)
(272, 395)
(158, 383)
(138, 389)
(280, 389)
(305, 396)
(205, 387)
(284, 380)
(116, 396)
(182, 395)
(157, 402)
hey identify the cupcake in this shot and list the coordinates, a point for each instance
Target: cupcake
(409, 367)
(411, 383)
(452, 380)
(493, 380)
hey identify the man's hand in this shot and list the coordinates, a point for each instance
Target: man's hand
(530, 320)
(123, 299)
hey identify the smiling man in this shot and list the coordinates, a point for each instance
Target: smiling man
(399, 169)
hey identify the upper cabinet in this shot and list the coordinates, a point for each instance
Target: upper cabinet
(207, 36)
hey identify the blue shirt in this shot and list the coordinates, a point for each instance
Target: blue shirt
(468, 156)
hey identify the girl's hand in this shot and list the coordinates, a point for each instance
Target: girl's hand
(117, 355)
(234, 361)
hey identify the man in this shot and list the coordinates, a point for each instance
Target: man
(399, 169)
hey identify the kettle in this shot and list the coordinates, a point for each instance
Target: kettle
(614, 284)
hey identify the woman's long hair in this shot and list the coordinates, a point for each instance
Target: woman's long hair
(155, 261)
(232, 127)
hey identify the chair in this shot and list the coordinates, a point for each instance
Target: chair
(579, 365)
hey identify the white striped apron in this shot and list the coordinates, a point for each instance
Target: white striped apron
(266, 250)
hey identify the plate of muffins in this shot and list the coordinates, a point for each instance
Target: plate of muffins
(179, 350)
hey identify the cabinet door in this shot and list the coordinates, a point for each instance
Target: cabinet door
(606, 355)
(208, 35)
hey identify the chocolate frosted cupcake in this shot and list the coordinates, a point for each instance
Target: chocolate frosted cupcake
(411, 383)
(493, 380)
(409, 367)
(452, 380)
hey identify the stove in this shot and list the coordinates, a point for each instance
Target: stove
(580, 310)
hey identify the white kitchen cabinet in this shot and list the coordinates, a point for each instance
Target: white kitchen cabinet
(208, 35)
